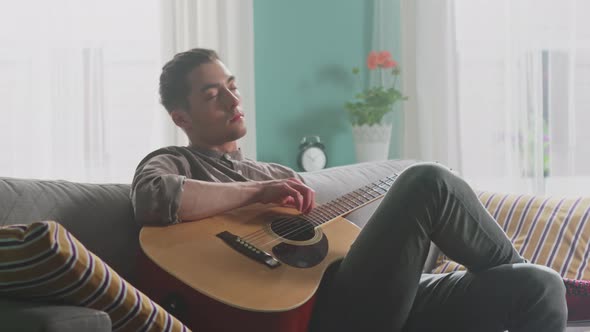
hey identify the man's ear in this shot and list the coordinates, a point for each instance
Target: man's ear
(181, 119)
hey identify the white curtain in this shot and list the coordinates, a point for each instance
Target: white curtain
(428, 59)
(79, 81)
(78, 88)
(386, 17)
(501, 91)
(225, 26)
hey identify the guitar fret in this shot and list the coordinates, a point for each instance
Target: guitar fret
(380, 190)
(323, 215)
(374, 193)
(313, 219)
(365, 195)
(336, 209)
(342, 200)
(347, 197)
(362, 199)
(327, 210)
(333, 213)
(350, 201)
(339, 208)
(330, 208)
(342, 206)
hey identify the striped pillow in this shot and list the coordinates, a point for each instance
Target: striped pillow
(554, 232)
(44, 262)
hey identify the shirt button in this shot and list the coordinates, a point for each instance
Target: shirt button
(240, 171)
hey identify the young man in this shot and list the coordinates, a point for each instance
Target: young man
(378, 286)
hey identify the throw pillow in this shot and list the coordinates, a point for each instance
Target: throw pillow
(44, 262)
(545, 230)
(578, 299)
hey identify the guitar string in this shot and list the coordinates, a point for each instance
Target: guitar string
(355, 197)
(300, 229)
(316, 217)
(337, 204)
(364, 190)
(333, 205)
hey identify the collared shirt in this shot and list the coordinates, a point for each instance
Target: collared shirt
(159, 178)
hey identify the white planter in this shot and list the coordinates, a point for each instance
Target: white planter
(371, 142)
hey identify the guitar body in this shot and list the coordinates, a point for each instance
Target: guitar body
(211, 286)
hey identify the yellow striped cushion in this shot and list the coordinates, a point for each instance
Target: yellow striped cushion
(549, 231)
(44, 262)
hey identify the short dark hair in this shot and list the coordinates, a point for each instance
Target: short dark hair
(174, 86)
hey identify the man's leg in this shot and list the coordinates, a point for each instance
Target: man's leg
(375, 285)
(516, 297)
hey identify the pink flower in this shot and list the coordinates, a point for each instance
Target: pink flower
(372, 60)
(383, 57)
(389, 63)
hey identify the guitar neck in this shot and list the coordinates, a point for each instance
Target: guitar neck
(349, 202)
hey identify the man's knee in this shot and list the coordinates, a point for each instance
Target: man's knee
(542, 286)
(426, 170)
(424, 177)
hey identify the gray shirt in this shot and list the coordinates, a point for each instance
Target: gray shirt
(159, 178)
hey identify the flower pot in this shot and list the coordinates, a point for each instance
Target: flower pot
(371, 142)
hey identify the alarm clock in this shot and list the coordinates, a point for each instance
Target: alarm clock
(312, 154)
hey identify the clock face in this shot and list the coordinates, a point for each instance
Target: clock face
(313, 159)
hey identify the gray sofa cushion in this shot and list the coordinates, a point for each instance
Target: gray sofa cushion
(99, 215)
(39, 317)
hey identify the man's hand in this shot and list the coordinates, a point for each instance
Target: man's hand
(201, 199)
(289, 192)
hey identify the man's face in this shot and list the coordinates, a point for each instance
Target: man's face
(215, 115)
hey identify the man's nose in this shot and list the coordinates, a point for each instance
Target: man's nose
(230, 99)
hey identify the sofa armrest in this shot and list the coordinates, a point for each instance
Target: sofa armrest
(22, 316)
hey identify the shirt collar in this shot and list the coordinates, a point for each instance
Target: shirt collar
(236, 155)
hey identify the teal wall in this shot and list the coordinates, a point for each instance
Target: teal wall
(304, 52)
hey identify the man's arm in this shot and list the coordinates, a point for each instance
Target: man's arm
(201, 199)
(162, 192)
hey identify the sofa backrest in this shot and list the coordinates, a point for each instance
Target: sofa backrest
(98, 215)
(101, 216)
(337, 181)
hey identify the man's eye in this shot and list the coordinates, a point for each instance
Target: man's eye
(209, 97)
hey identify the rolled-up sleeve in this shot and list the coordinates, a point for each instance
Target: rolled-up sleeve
(156, 190)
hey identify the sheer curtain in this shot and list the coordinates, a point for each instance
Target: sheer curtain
(517, 72)
(79, 81)
(78, 88)
(429, 76)
(386, 16)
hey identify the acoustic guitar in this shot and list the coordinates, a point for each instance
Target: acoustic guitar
(256, 268)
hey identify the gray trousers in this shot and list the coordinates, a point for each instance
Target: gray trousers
(379, 285)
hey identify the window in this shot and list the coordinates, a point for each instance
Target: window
(78, 94)
(523, 72)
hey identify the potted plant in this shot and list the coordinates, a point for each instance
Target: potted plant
(369, 107)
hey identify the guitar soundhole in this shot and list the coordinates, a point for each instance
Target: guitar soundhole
(293, 228)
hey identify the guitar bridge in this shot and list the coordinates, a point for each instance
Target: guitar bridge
(249, 250)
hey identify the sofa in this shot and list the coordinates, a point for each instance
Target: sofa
(100, 216)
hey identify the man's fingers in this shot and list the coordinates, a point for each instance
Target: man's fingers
(295, 195)
(307, 193)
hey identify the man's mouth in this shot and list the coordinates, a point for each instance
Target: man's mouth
(237, 117)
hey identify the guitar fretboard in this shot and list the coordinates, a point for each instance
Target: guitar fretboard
(350, 201)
